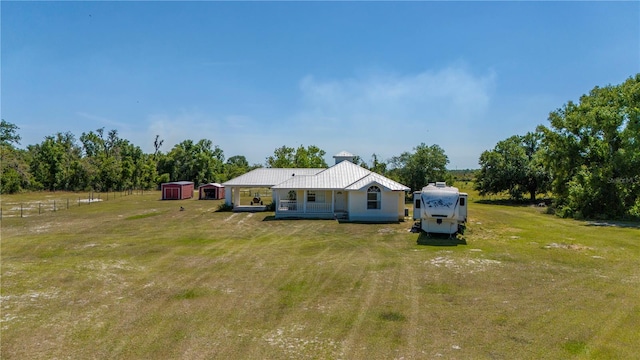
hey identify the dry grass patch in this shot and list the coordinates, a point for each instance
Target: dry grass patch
(138, 278)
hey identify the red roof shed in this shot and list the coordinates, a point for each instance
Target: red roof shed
(177, 190)
(211, 191)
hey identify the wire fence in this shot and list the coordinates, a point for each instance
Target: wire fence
(26, 208)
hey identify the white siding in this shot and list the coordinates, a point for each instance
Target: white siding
(388, 207)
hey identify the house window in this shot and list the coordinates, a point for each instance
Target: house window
(373, 197)
(311, 196)
(292, 195)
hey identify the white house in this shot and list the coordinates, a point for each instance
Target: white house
(344, 190)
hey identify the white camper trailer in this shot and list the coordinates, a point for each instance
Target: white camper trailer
(440, 208)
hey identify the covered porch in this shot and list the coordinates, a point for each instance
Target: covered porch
(248, 198)
(316, 204)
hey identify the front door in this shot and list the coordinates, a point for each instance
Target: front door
(339, 205)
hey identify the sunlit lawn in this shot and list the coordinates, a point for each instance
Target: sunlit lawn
(136, 277)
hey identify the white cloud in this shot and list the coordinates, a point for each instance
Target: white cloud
(382, 113)
(391, 113)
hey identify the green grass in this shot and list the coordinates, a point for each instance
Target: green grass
(136, 277)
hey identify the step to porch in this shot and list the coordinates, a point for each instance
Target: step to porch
(341, 215)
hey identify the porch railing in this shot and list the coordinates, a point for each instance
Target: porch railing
(288, 205)
(292, 205)
(318, 207)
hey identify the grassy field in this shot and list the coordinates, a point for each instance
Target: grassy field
(135, 277)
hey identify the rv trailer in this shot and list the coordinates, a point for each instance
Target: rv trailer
(441, 209)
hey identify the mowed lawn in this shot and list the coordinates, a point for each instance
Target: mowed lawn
(136, 277)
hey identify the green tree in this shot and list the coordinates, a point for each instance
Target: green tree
(593, 152)
(235, 166)
(514, 165)
(14, 169)
(54, 163)
(378, 166)
(288, 157)
(8, 133)
(199, 162)
(426, 164)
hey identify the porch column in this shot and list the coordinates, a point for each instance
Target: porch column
(228, 197)
(236, 197)
(304, 206)
(333, 201)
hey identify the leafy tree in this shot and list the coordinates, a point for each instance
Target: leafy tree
(14, 169)
(288, 157)
(9, 133)
(200, 162)
(426, 164)
(593, 149)
(378, 166)
(514, 165)
(55, 162)
(236, 166)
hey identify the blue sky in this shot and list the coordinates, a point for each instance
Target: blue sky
(366, 77)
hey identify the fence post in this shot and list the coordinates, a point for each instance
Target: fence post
(39, 208)
(54, 205)
(67, 203)
(20, 209)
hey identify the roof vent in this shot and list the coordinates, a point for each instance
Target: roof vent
(294, 174)
(342, 156)
(441, 184)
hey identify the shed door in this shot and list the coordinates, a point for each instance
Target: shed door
(171, 193)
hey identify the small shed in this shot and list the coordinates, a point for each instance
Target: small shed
(177, 190)
(211, 191)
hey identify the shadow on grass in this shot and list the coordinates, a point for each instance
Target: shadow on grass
(340, 221)
(293, 218)
(614, 223)
(519, 203)
(440, 240)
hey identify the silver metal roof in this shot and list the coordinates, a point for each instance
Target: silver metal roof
(268, 177)
(342, 176)
(345, 175)
(374, 178)
(211, 184)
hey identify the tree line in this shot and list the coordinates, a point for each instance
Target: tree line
(103, 161)
(588, 157)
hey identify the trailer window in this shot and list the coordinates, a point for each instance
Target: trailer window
(461, 201)
(417, 206)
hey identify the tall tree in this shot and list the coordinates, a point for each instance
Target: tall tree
(514, 165)
(9, 133)
(288, 157)
(14, 169)
(55, 161)
(199, 162)
(426, 164)
(235, 166)
(593, 152)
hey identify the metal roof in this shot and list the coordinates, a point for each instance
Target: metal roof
(212, 184)
(179, 183)
(342, 176)
(268, 177)
(345, 175)
(377, 179)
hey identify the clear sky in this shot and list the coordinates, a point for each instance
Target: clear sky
(365, 77)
